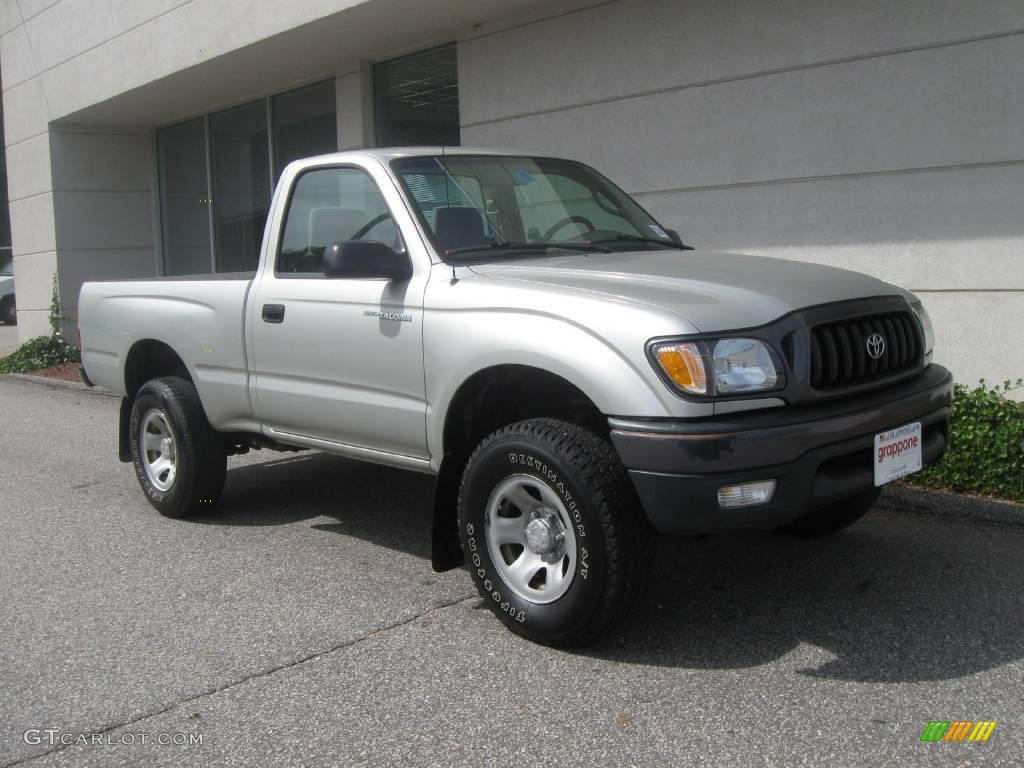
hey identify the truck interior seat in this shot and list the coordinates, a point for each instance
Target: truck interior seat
(332, 225)
(458, 227)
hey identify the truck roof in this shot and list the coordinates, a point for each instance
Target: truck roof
(387, 154)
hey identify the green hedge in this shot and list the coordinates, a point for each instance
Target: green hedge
(37, 353)
(986, 444)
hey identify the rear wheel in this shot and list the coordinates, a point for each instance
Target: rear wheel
(835, 517)
(555, 538)
(179, 459)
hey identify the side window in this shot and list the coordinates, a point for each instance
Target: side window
(327, 206)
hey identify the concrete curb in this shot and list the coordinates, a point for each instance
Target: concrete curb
(47, 381)
(951, 506)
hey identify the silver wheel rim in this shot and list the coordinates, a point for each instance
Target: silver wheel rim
(159, 452)
(530, 539)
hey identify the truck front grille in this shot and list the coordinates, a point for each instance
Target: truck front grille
(846, 353)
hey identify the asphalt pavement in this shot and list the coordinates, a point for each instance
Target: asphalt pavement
(301, 624)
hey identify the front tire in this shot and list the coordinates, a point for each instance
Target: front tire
(555, 538)
(835, 517)
(179, 459)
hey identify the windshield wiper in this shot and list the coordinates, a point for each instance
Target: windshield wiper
(642, 239)
(513, 246)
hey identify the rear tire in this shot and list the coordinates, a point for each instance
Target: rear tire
(8, 311)
(179, 459)
(833, 518)
(553, 533)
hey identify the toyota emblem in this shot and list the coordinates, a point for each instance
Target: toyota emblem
(875, 346)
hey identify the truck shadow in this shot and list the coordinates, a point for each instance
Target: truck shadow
(387, 507)
(898, 597)
(895, 598)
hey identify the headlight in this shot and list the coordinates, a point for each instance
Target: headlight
(743, 365)
(926, 326)
(738, 366)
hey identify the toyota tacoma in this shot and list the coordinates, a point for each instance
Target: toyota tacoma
(574, 377)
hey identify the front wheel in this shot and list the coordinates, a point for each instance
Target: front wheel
(555, 538)
(179, 459)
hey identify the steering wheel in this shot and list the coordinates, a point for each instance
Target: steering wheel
(581, 220)
(361, 232)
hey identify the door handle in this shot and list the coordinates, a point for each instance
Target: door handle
(273, 313)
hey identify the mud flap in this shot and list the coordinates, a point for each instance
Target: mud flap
(446, 549)
(124, 445)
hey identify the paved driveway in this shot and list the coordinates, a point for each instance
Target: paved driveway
(302, 625)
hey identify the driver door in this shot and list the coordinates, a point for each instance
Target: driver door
(338, 360)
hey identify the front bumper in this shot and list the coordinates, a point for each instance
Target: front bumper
(817, 454)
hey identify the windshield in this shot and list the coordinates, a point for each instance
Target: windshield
(481, 206)
(7, 267)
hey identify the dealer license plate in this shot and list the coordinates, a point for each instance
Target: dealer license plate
(897, 453)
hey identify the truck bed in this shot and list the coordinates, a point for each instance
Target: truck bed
(202, 318)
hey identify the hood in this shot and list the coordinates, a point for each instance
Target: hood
(713, 291)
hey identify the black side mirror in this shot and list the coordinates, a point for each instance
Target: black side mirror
(365, 258)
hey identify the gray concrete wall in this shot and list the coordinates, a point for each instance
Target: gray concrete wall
(884, 137)
(103, 207)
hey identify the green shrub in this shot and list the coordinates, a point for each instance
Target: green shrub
(40, 352)
(986, 444)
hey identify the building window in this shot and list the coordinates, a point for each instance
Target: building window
(240, 158)
(417, 99)
(184, 198)
(304, 124)
(217, 175)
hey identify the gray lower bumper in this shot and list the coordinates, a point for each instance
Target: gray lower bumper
(817, 455)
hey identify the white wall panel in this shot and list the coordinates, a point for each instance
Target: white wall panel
(638, 45)
(877, 114)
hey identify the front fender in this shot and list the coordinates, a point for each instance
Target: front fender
(616, 381)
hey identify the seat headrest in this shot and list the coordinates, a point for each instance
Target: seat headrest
(332, 225)
(456, 227)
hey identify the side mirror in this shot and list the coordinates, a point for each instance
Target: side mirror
(364, 259)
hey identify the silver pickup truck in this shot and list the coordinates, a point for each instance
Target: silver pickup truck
(573, 375)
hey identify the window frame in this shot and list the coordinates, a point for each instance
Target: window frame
(288, 208)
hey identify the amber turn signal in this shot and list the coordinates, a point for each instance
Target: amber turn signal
(684, 366)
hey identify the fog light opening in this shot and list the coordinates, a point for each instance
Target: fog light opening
(746, 495)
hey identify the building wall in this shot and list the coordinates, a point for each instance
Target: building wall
(884, 137)
(81, 194)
